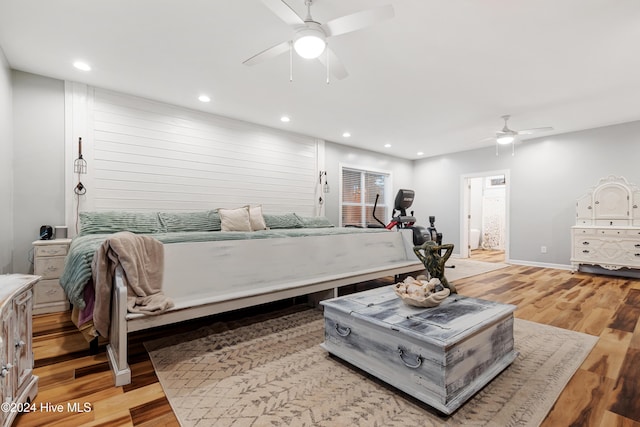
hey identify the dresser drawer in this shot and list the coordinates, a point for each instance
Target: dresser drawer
(586, 254)
(631, 245)
(611, 232)
(47, 291)
(584, 231)
(51, 250)
(584, 242)
(49, 267)
(612, 222)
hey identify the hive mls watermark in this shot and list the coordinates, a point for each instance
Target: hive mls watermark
(73, 407)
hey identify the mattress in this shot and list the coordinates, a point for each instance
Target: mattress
(77, 270)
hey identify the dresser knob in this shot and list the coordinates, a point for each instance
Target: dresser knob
(637, 245)
(5, 370)
(585, 243)
(586, 251)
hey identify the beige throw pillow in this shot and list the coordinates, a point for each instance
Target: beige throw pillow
(256, 218)
(235, 219)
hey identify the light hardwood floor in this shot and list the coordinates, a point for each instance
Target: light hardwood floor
(604, 392)
(487, 255)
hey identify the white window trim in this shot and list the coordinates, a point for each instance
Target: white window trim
(388, 198)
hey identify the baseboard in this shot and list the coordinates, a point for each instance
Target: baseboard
(538, 264)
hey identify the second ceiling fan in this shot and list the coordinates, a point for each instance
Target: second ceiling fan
(507, 136)
(310, 37)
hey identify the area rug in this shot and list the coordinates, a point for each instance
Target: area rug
(467, 267)
(274, 373)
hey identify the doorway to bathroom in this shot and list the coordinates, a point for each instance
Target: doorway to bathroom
(485, 220)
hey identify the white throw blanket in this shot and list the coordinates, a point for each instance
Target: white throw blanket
(142, 261)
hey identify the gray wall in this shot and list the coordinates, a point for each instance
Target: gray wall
(6, 166)
(336, 154)
(547, 176)
(38, 166)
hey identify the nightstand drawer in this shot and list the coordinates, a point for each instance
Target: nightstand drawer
(47, 291)
(49, 267)
(51, 250)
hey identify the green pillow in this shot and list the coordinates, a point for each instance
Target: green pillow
(289, 220)
(189, 221)
(314, 221)
(112, 222)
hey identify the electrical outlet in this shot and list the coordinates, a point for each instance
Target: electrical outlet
(543, 249)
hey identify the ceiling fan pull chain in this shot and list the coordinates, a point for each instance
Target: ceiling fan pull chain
(290, 61)
(326, 52)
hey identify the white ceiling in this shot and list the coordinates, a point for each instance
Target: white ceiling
(436, 78)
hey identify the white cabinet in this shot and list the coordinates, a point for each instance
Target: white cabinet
(48, 262)
(607, 230)
(18, 385)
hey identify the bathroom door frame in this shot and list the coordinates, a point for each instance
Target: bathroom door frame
(465, 211)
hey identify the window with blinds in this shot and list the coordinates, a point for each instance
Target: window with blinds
(359, 190)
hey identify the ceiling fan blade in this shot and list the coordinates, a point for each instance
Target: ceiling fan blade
(284, 12)
(358, 20)
(335, 65)
(266, 54)
(534, 130)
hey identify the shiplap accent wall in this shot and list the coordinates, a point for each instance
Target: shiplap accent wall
(145, 155)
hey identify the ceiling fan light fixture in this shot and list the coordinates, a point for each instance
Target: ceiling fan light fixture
(310, 42)
(505, 139)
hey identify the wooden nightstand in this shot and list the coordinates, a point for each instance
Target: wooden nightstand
(48, 262)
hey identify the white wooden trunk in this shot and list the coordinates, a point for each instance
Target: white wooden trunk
(441, 355)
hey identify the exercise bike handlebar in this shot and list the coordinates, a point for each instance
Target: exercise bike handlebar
(375, 205)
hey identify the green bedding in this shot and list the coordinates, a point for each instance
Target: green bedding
(77, 269)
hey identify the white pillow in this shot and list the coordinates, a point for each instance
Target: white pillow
(256, 218)
(235, 219)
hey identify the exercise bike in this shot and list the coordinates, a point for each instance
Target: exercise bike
(421, 235)
(403, 201)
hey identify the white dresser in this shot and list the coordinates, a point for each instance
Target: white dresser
(18, 385)
(607, 230)
(48, 262)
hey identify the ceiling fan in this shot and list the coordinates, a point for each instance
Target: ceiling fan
(310, 37)
(508, 136)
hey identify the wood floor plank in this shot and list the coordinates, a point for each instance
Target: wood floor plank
(608, 355)
(627, 401)
(614, 420)
(582, 403)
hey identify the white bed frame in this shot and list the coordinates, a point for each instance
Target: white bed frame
(206, 278)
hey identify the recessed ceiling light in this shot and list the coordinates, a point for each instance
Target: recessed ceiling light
(285, 119)
(346, 135)
(82, 66)
(204, 98)
(387, 145)
(420, 153)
